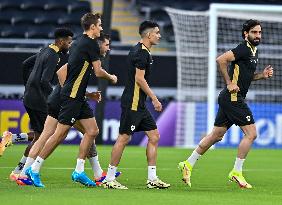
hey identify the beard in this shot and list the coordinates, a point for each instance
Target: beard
(254, 42)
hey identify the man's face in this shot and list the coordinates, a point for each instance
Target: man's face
(97, 29)
(104, 47)
(65, 44)
(154, 35)
(254, 35)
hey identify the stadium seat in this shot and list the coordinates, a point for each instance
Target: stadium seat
(59, 6)
(69, 20)
(49, 18)
(40, 32)
(23, 19)
(80, 6)
(13, 32)
(6, 5)
(5, 19)
(30, 5)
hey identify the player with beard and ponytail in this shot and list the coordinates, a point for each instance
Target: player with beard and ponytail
(231, 100)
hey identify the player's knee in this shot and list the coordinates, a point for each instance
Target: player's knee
(93, 132)
(252, 136)
(124, 139)
(155, 138)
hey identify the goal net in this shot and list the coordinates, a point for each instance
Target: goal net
(202, 36)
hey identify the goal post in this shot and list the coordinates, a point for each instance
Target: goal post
(200, 37)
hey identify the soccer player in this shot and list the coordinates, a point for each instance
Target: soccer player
(8, 138)
(232, 106)
(84, 54)
(52, 121)
(135, 116)
(38, 87)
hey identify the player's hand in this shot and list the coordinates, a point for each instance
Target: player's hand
(267, 72)
(113, 79)
(233, 88)
(94, 96)
(157, 105)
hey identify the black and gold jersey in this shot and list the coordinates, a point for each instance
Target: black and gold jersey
(83, 52)
(241, 71)
(38, 85)
(133, 96)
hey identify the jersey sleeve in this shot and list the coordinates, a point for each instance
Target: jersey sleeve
(240, 52)
(141, 59)
(27, 67)
(94, 51)
(49, 71)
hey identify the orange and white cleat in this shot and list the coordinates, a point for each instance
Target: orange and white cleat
(6, 141)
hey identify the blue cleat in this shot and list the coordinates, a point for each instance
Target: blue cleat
(35, 178)
(82, 178)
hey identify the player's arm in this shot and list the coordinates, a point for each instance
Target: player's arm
(48, 72)
(27, 67)
(142, 83)
(101, 73)
(223, 61)
(265, 74)
(62, 74)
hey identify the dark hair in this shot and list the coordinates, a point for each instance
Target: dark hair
(103, 37)
(248, 25)
(62, 33)
(147, 25)
(88, 19)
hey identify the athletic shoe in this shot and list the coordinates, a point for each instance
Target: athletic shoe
(82, 178)
(113, 185)
(99, 181)
(6, 141)
(13, 176)
(24, 180)
(157, 184)
(35, 177)
(238, 177)
(186, 170)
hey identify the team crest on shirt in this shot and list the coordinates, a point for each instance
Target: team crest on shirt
(132, 127)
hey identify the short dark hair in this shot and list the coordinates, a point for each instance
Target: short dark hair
(62, 33)
(147, 25)
(103, 37)
(88, 19)
(248, 25)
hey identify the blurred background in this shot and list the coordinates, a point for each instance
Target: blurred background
(180, 75)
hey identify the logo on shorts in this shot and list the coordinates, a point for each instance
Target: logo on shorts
(72, 120)
(248, 118)
(132, 127)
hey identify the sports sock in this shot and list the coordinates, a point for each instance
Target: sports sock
(20, 165)
(80, 165)
(35, 167)
(238, 165)
(111, 173)
(96, 167)
(152, 173)
(28, 163)
(193, 158)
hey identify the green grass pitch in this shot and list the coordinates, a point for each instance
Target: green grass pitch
(263, 169)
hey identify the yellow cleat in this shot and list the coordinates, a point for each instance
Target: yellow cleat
(186, 170)
(113, 185)
(157, 184)
(238, 177)
(6, 141)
